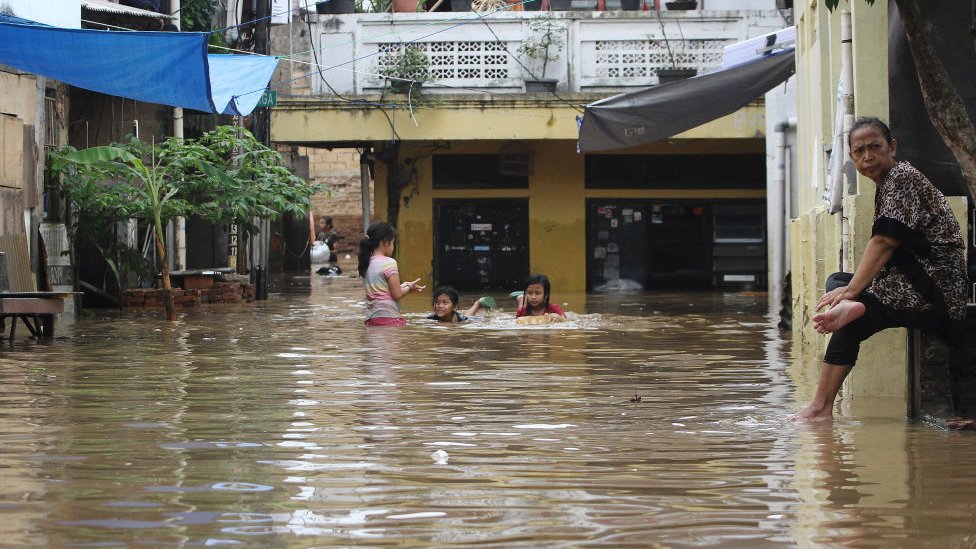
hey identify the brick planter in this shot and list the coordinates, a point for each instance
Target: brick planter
(220, 292)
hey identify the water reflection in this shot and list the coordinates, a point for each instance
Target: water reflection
(288, 423)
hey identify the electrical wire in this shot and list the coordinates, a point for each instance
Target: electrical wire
(373, 54)
(519, 61)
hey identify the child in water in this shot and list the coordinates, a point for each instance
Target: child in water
(445, 302)
(533, 303)
(381, 278)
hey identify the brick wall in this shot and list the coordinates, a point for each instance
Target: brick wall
(338, 170)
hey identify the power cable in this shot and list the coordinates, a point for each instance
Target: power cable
(519, 61)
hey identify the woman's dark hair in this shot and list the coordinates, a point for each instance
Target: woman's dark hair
(376, 234)
(542, 280)
(450, 292)
(865, 121)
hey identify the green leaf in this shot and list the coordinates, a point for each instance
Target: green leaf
(94, 155)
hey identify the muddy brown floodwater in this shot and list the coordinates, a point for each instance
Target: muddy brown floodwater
(287, 423)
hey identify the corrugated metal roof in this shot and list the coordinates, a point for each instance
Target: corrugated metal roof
(110, 7)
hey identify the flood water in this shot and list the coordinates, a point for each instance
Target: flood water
(287, 423)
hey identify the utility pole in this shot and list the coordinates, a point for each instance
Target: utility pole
(260, 122)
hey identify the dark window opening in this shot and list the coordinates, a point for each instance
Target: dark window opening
(669, 171)
(480, 171)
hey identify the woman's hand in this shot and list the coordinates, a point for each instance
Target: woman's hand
(835, 296)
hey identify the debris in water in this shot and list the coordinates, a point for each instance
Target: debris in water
(636, 398)
(440, 457)
(962, 424)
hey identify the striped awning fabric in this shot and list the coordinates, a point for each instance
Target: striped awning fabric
(111, 7)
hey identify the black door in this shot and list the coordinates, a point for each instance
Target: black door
(678, 246)
(481, 244)
(616, 246)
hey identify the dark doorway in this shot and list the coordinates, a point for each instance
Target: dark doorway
(616, 245)
(679, 248)
(656, 245)
(206, 244)
(481, 244)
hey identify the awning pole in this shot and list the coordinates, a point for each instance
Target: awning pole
(179, 226)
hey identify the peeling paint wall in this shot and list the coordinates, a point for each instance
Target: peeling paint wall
(19, 185)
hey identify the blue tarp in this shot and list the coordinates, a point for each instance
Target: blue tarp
(169, 68)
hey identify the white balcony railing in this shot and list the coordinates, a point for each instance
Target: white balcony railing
(602, 52)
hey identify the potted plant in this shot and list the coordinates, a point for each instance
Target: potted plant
(407, 6)
(542, 45)
(672, 73)
(406, 69)
(336, 6)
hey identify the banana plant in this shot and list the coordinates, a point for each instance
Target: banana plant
(151, 192)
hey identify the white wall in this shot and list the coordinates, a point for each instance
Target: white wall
(59, 13)
(730, 5)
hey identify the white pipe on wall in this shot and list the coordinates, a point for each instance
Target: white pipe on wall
(847, 90)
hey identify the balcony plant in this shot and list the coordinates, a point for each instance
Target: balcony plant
(407, 6)
(665, 74)
(336, 6)
(542, 46)
(406, 69)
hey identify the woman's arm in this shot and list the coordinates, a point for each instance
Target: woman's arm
(877, 253)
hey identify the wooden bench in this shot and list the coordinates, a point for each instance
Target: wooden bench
(19, 298)
(35, 309)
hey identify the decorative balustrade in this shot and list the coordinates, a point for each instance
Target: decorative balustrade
(601, 52)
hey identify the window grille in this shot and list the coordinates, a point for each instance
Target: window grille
(642, 58)
(471, 63)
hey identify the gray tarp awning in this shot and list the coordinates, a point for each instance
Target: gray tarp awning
(646, 116)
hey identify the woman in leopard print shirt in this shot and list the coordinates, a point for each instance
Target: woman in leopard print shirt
(912, 273)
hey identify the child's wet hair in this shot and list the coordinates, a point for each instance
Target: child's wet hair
(376, 234)
(450, 292)
(543, 281)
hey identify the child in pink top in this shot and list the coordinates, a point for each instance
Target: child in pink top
(381, 278)
(534, 300)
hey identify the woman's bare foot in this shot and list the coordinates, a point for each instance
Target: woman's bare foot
(813, 413)
(838, 316)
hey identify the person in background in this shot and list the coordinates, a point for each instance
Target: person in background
(381, 277)
(327, 234)
(912, 273)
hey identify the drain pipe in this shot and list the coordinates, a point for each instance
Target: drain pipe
(364, 178)
(847, 90)
(776, 200)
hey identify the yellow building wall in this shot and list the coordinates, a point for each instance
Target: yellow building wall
(880, 370)
(556, 211)
(556, 199)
